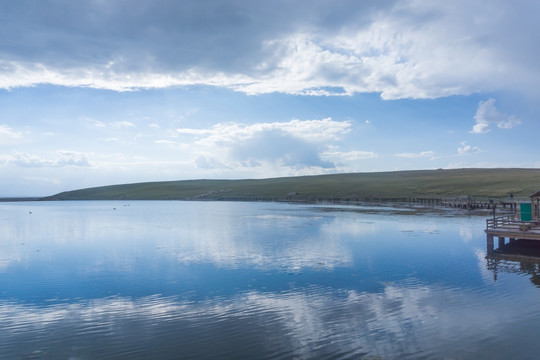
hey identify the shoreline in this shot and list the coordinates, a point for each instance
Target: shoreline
(20, 199)
(431, 204)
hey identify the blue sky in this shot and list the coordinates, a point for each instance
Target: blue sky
(101, 92)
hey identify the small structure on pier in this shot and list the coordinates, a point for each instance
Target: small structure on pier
(525, 225)
(530, 212)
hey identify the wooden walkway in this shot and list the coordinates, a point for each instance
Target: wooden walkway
(472, 203)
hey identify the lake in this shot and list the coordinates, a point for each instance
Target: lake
(231, 280)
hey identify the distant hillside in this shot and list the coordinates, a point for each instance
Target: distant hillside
(480, 183)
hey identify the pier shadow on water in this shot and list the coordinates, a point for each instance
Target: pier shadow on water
(518, 257)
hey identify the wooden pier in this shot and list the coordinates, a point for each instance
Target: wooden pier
(524, 225)
(510, 227)
(471, 203)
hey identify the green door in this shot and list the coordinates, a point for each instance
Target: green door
(525, 211)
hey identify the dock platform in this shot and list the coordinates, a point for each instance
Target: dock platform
(510, 227)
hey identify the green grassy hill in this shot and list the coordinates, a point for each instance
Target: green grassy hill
(479, 183)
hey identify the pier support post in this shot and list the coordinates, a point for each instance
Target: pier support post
(501, 242)
(490, 244)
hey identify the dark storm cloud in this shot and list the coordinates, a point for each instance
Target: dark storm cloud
(400, 49)
(163, 35)
(279, 148)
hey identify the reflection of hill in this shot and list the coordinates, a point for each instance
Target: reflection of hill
(518, 257)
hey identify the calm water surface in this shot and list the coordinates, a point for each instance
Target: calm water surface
(220, 280)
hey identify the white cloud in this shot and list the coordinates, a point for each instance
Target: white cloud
(279, 148)
(166, 142)
(465, 149)
(124, 124)
(194, 131)
(72, 158)
(424, 154)
(209, 162)
(96, 123)
(487, 114)
(295, 144)
(509, 123)
(480, 128)
(347, 156)
(63, 158)
(8, 134)
(307, 130)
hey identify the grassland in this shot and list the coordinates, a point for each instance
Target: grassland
(377, 186)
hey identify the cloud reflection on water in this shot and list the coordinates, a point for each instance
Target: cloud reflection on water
(414, 321)
(165, 280)
(102, 236)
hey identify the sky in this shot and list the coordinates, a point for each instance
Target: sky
(100, 92)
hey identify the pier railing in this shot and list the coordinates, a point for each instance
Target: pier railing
(472, 203)
(503, 221)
